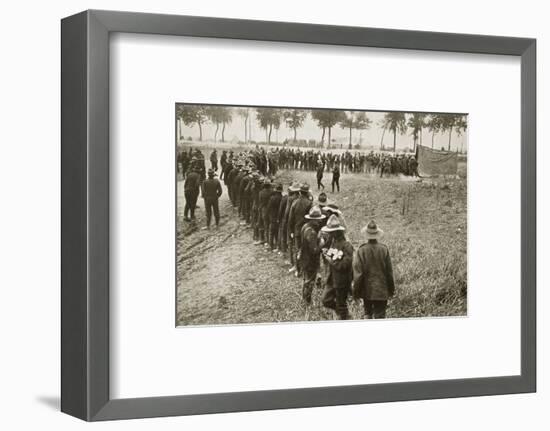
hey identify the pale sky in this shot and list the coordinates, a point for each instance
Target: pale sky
(310, 130)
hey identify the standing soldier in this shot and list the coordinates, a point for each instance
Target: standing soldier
(373, 274)
(336, 178)
(293, 191)
(214, 160)
(211, 192)
(296, 219)
(273, 208)
(191, 189)
(258, 181)
(309, 251)
(320, 170)
(337, 254)
(265, 195)
(223, 163)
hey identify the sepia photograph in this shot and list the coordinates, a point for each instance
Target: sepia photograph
(291, 214)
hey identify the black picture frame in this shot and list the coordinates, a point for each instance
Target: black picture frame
(85, 214)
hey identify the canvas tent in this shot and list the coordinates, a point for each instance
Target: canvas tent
(434, 162)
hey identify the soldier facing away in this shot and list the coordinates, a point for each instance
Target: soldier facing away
(310, 251)
(211, 192)
(373, 274)
(337, 254)
(191, 189)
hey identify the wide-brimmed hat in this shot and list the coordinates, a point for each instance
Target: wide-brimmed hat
(332, 208)
(315, 213)
(333, 224)
(294, 187)
(322, 199)
(267, 182)
(279, 187)
(372, 231)
(304, 188)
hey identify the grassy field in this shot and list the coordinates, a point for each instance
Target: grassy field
(223, 278)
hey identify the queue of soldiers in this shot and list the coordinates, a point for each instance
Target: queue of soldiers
(311, 232)
(269, 162)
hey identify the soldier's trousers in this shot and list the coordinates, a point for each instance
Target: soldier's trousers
(282, 238)
(375, 309)
(291, 249)
(191, 197)
(255, 228)
(309, 277)
(211, 206)
(261, 225)
(320, 183)
(335, 182)
(273, 235)
(244, 206)
(336, 299)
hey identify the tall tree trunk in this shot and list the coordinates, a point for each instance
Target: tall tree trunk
(382, 139)
(394, 139)
(329, 136)
(433, 135)
(269, 137)
(223, 133)
(450, 131)
(179, 129)
(200, 131)
(295, 134)
(323, 138)
(216, 132)
(420, 136)
(245, 130)
(350, 138)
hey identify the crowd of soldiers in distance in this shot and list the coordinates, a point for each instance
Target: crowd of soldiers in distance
(309, 231)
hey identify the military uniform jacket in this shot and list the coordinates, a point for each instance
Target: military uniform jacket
(282, 207)
(298, 211)
(192, 182)
(286, 215)
(340, 275)
(373, 273)
(310, 250)
(211, 188)
(273, 206)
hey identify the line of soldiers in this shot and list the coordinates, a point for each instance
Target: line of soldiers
(312, 234)
(269, 162)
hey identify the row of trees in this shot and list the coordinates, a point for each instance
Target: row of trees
(269, 119)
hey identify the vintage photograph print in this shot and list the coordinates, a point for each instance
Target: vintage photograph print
(290, 214)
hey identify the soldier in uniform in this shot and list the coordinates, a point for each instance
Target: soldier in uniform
(214, 160)
(296, 218)
(336, 178)
(293, 193)
(211, 192)
(265, 195)
(320, 171)
(273, 211)
(309, 250)
(258, 182)
(223, 163)
(337, 254)
(373, 274)
(191, 189)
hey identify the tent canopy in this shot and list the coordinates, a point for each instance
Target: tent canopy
(434, 162)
